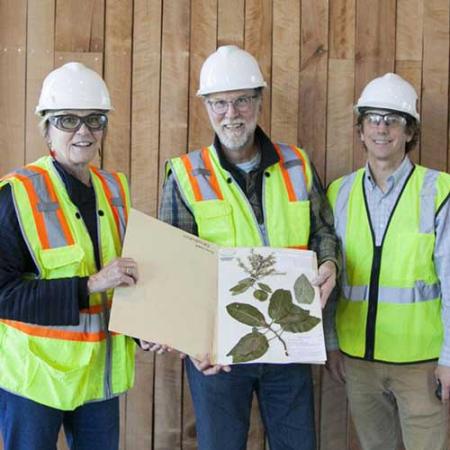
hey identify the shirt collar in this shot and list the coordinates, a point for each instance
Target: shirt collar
(395, 178)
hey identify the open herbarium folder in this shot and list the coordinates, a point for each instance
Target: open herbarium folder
(239, 305)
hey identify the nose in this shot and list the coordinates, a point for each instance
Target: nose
(382, 126)
(231, 110)
(84, 129)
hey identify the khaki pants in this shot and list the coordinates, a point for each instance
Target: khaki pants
(392, 401)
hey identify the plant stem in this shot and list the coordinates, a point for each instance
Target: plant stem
(281, 340)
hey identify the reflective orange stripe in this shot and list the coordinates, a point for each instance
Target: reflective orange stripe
(213, 179)
(108, 196)
(55, 334)
(287, 180)
(96, 309)
(302, 158)
(299, 247)
(38, 215)
(62, 220)
(194, 183)
(122, 195)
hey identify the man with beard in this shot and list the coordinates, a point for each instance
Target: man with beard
(246, 191)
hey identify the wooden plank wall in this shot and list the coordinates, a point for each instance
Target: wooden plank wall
(316, 55)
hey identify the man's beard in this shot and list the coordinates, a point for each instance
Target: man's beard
(233, 141)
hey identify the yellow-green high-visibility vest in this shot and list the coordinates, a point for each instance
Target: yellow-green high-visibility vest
(224, 215)
(390, 304)
(67, 366)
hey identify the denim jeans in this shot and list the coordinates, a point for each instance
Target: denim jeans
(27, 425)
(222, 405)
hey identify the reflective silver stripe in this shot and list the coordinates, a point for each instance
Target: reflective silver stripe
(202, 175)
(427, 201)
(421, 292)
(341, 214)
(47, 207)
(294, 167)
(116, 200)
(89, 323)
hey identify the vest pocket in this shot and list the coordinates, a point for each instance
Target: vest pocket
(61, 381)
(215, 223)
(62, 261)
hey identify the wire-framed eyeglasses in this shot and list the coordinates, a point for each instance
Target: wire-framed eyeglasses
(241, 104)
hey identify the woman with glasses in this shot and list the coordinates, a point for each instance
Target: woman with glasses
(62, 223)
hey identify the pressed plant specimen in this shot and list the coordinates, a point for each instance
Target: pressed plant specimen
(284, 315)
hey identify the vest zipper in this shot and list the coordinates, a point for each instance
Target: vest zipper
(255, 221)
(108, 342)
(374, 285)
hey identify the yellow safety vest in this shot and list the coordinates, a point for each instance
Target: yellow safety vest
(390, 304)
(222, 212)
(67, 366)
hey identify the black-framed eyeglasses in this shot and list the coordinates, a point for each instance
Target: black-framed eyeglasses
(241, 104)
(392, 120)
(72, 123)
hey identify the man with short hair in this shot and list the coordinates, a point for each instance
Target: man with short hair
(246, 191)
(393, 317)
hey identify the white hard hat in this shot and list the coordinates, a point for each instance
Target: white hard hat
(73, 86)
(230, 68)
(392, 92)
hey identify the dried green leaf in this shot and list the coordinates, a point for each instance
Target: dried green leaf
(242, 286)
(280, 304)
(298, 320)
(261, 295)
(247, 314)
(303, 290)
(265, 287)
(250, 347)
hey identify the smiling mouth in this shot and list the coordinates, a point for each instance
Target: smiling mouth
(83, 144)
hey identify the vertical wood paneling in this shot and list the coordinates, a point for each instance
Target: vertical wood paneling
(145, 102)
(316, 56)
(375, 49)
(230, 29)
(79, 25)
(258, 41)
(118, 69)
(173, 141)
(341, 86)
(40, 39)
(13, 40)
(202, 44)
(313, 81)
(285, 67)
(435, 84)
(409, 47)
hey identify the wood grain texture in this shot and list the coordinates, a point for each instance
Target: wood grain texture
(313, 81)
(79, 25)
(117, 74)
(258, 41)
(40, 41)
(230, 29)
(435, 84)
(202, 43)
(285, 70)
(316, 57)
(13, 50)
(146, 100)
